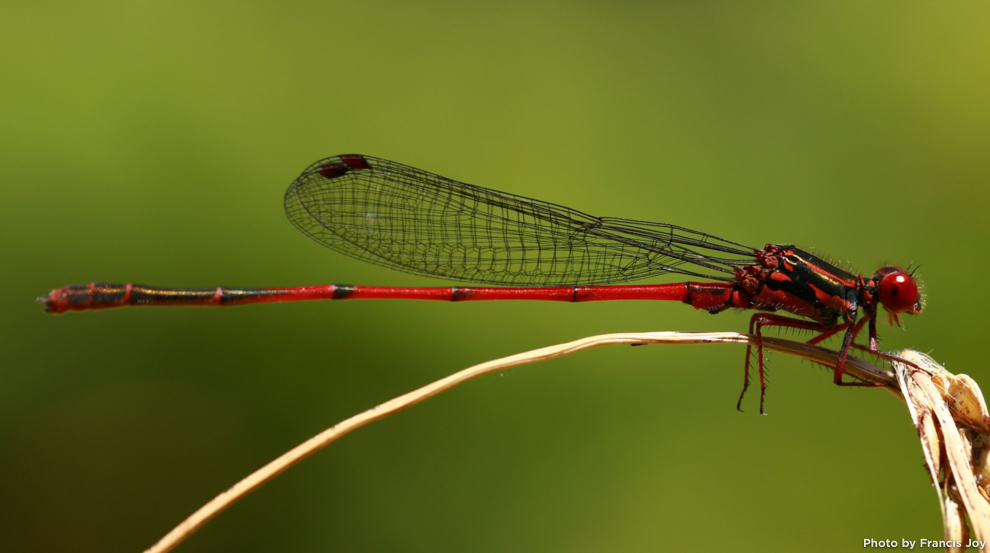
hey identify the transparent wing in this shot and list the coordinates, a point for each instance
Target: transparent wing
(407, 219)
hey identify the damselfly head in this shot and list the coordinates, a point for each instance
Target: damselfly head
(898, 292)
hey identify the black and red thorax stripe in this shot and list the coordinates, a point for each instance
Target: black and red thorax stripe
(790, 279)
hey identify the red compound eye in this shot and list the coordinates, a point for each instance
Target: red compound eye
(898, 292)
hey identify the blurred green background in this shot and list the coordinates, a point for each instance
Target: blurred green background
(151, 142)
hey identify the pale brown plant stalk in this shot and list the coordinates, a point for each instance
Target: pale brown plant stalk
(856, 367)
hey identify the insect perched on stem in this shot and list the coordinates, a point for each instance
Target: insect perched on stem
(407, 219)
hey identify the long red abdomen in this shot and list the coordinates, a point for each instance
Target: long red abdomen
(712, 296)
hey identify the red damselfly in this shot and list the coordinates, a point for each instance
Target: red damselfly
(407, 219)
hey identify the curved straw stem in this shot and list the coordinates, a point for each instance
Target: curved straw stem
(854, 366)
